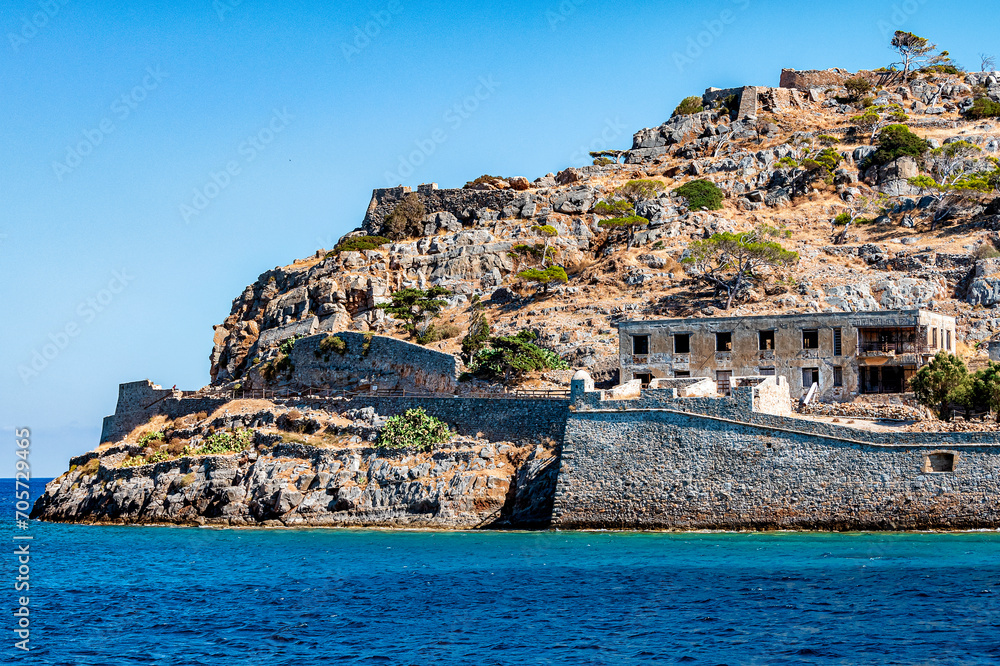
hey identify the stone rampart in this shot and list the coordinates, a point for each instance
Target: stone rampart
(140, 401)
(665, 462)
(466, 205)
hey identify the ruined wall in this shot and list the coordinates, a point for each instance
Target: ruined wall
(140, 401)
(498, 419)
(374, 360)
(652, 466)
(464, 204)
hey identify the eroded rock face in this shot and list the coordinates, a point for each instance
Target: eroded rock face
(464, 484)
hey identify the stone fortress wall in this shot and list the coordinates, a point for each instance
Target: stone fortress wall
(659, 461)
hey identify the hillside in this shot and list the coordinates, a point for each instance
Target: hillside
(755, 144)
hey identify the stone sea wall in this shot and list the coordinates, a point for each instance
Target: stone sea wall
(687, 464)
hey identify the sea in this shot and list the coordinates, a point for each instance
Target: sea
(183, 595)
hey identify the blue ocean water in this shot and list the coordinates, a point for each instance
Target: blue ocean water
(159, 595)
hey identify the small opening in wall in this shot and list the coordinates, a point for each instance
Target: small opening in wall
(640, 344)
(810, 338)
(939, 461)
(682, 373)
(765, 340)
(644, 377)
(723, 342)
(682, 343)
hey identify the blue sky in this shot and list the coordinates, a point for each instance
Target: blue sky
(159, 156)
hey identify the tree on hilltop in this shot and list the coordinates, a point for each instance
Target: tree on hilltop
(915, 52)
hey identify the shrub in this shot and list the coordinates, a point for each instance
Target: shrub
(828, 139)
(478, 334)
(359, 244)
(986, 251)
(406, 219)
(159, 456)
(935, 384)
(414, 429)
(544, 277)
(509, 357)
(603, 161)
(787, 162)
(151, 437)
(331, 344)
(435, 333)
(897, 141)
(223, 442)
(688, 106)
(858, 87)
(413, 307)
(91, 467)
(701, 195)
(984, 107)
(133, 461)
(823, 164)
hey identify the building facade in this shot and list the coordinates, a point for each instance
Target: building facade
(845, 354)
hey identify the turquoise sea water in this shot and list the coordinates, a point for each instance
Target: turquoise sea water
(158, 595)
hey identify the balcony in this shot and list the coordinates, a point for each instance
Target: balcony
(892, 348)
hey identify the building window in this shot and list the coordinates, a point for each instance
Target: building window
(838, 377)
(810, 338)
(723, 342)
(682, 373)
(640, 344)
(722, 381)
(644, 377)
(765, 340)
(838, 347)
(766, 372)
(947, 340)
(933, 338)
(682, 343)
(810, 376)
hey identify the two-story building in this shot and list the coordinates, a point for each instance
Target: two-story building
(844, 353)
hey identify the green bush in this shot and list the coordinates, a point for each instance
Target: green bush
(222, 442)
(936, 383)
(688, 106)
(828, 139)
(414, 429)
(332, 344)
(151, 437)
(701, 195)
(544, 277)
(787, 162)
(858, 87)
(603, 161)
(359, 244)
(984, 107)
(406, 219)
(897, 141)
(133, 461)
(509, 357)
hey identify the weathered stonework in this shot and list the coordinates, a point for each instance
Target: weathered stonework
(692, 463)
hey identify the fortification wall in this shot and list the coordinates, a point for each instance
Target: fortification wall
(140, 401)
(461, 203)
(498, 419)
(373, 359)
(660, 462)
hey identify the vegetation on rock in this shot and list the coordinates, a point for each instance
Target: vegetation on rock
(406, 219)
(359, 244)
(701, 195)
(897, 141)
(416, 308)
(509, 357)
(414, 429)
(688, 106)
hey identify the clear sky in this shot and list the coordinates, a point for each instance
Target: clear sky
(157, 156)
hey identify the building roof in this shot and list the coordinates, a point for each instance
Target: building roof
(866, 315)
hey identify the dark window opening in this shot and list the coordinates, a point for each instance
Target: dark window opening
(765, 340)
(766, 372)
(722, 381)
(838, 346)
(644, 377)
(640, 344)
(947, 340)
(682, 373)
(810, 376)
(810, 338)
(939, 462)
(838, 376)
(723, 342)
(934, 338)
(682, 343)
(885, 379)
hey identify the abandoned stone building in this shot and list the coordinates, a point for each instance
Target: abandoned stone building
(845, 354)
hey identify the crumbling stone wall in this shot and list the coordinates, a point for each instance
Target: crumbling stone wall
(466, 205)
(140, 401)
